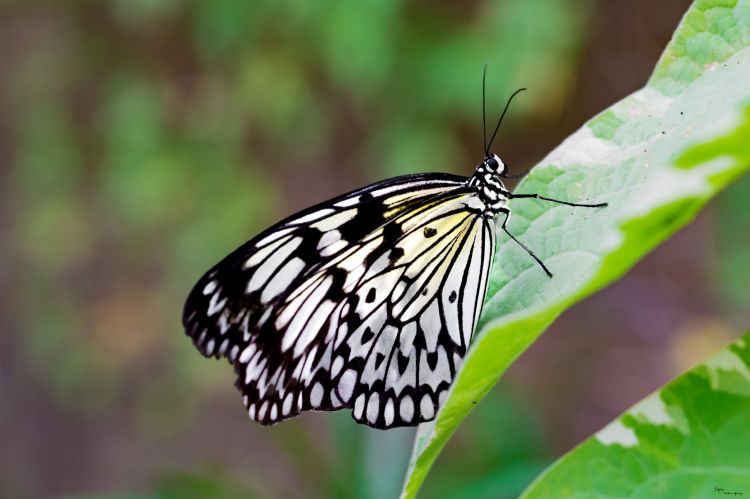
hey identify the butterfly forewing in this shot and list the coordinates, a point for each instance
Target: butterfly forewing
(366, 301)
(229, 299)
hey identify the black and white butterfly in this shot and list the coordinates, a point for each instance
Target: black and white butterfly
(367, 301)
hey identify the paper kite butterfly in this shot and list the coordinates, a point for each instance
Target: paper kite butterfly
(367, 301)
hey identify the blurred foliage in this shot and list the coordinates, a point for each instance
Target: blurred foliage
(141, 140)
(729, 269)
(212, 483)
(485, 460)
(689, 439)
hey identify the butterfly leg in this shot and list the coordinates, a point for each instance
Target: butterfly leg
(537, 196)
(506, 211)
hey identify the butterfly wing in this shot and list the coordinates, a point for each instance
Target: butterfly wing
(227, 302)
(308, 310)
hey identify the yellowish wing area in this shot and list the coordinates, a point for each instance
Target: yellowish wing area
(408, 270)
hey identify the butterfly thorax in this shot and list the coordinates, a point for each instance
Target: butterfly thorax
(491, 191)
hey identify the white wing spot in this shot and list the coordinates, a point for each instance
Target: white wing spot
(430, 322)
(406, 339)
(209, 288)
(336, 220)
(223, 347)
(328, 238)
(253, 369)
(223, 322)
(316, 395)
(389, 412)
(427, 407)
(359, 406)
(307, 371)
(247, 353)
(406, 409)
(338, 363)
(313, 216)
(287, 407)
(346, 385)
(282, 279)
(373, 408)
(272, 237)
(348, 202)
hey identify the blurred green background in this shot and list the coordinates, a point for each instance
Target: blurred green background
(142, 140)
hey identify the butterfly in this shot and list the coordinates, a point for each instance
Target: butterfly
(367, 301)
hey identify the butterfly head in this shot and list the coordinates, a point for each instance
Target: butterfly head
(493, 164)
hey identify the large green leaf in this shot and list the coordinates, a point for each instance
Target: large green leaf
(657, 157)
(689, 439)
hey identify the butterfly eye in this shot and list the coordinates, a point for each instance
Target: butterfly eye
(497, 165)
(492, 163)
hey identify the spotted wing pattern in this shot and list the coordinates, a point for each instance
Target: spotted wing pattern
(367, 301)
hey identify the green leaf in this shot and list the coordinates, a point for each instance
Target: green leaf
(689, 439)
(656, 157)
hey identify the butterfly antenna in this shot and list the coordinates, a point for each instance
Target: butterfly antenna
(484, 117)
(507, 104)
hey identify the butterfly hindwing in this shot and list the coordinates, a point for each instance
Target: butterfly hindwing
(405, 339)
